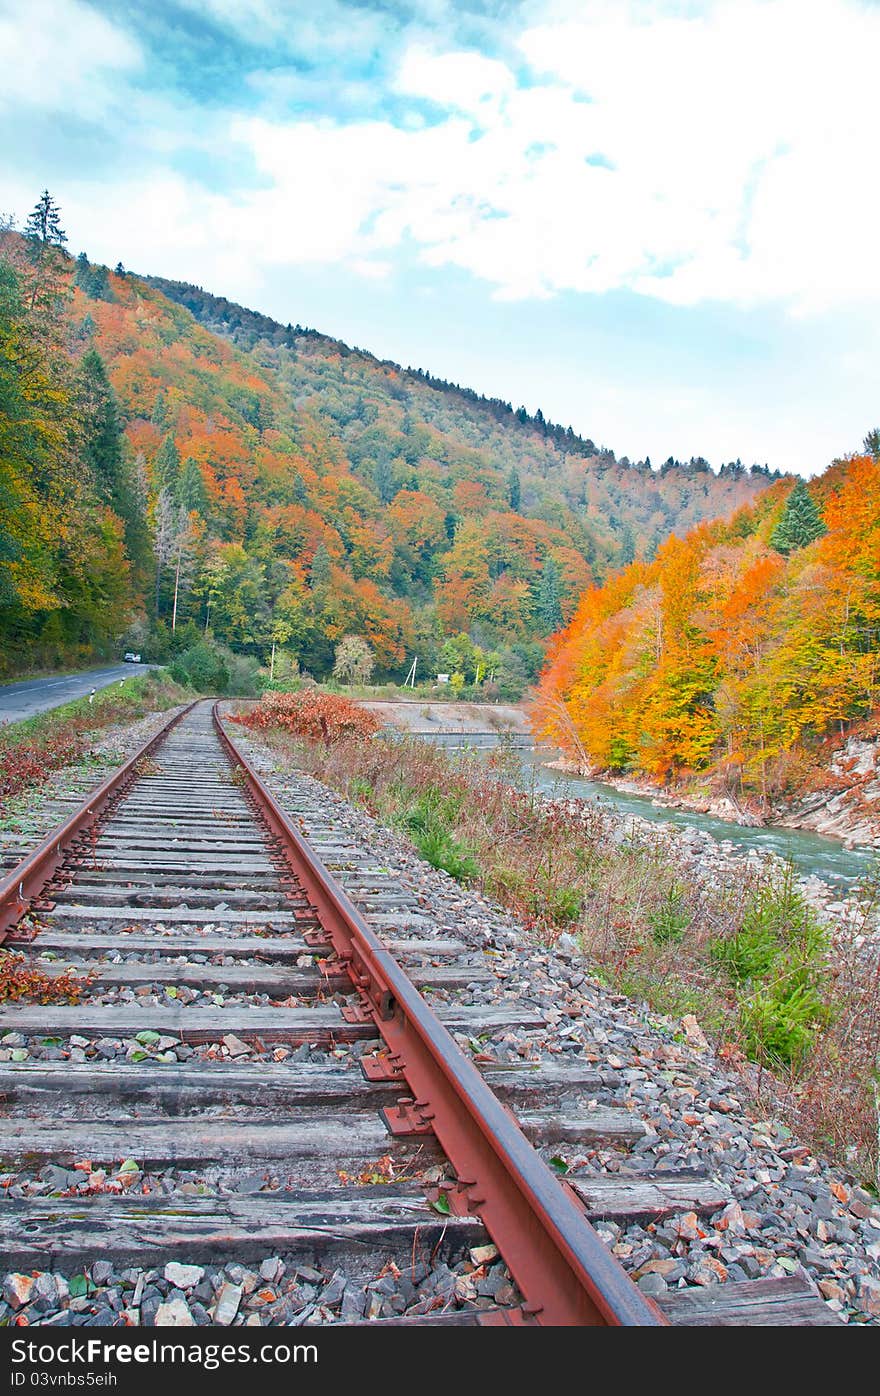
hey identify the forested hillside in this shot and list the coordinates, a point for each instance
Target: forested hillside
(161, 483)
(393, 419)
(738, 648)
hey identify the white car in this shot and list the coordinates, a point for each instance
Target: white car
(130, 657)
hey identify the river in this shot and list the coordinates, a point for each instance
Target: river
(811, 854)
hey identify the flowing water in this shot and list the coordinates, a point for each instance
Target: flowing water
(810, 853)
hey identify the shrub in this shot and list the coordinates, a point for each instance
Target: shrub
(777, 959)
(325, 717)
(201, 667)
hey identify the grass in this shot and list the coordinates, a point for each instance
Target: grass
(31, 750)
(747, 955)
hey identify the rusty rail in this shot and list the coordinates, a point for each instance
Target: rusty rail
(565, 1273)
(25, 881)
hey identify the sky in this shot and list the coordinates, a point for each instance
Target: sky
(656, 221)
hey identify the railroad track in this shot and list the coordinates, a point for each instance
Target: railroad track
(252, 1084)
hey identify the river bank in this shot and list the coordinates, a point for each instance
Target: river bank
(845, 807)
(834, 880)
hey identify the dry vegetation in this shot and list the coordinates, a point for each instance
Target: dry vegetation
(798, 1011)
(30, 751)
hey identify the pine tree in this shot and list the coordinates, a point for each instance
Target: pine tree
(190, 491)
(383, 477)
(871, 443)
(102, 453)
(167, 465)
(320, 573)
(514, 490)
(45, 239)
(800, 523)
(159, 414)
(548, 604)
(627, 545)
(101, 429)
(43, 226)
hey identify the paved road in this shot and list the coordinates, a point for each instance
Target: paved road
(20, 700)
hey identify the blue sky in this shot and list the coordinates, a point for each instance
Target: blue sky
(656, 221)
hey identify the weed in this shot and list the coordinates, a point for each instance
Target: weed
(777, 959)
(670, 919)
(24, 982)
(31, 750)
(745, 955)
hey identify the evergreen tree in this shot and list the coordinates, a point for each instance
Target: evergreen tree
(159, 414)
(167, 465)
(92, 280)
(319, 575)
(119, 269)
(102, 453)
(99, 287)
(102, 430)
(800, 523)
(190, 490)
(43, 226)
(300, 494)
(384, 479)
(871, 443)
(45, 240)
(548, 604)
(514, 490)
(627, 545)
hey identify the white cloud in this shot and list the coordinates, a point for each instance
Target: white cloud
(61, 56)
(725, 156)
(466, 81)
(724, 153)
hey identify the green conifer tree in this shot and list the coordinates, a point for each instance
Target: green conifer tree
(43, 226)
(800, 522)
(190, 491)
(548, 603)
(167, 465)
(320, 573)
(514, 490)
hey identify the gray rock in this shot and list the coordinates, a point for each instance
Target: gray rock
(227, 1305)
(183, 1276)
(174, 1314)
(332, 1293)
(354, 1302)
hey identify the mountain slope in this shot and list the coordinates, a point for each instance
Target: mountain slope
(270, 487)
(390, 418)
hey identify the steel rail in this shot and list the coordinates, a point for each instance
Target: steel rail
(565, 1273)
(28, 878)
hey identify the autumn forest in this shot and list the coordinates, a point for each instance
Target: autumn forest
(190, 478)
(177, 468)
